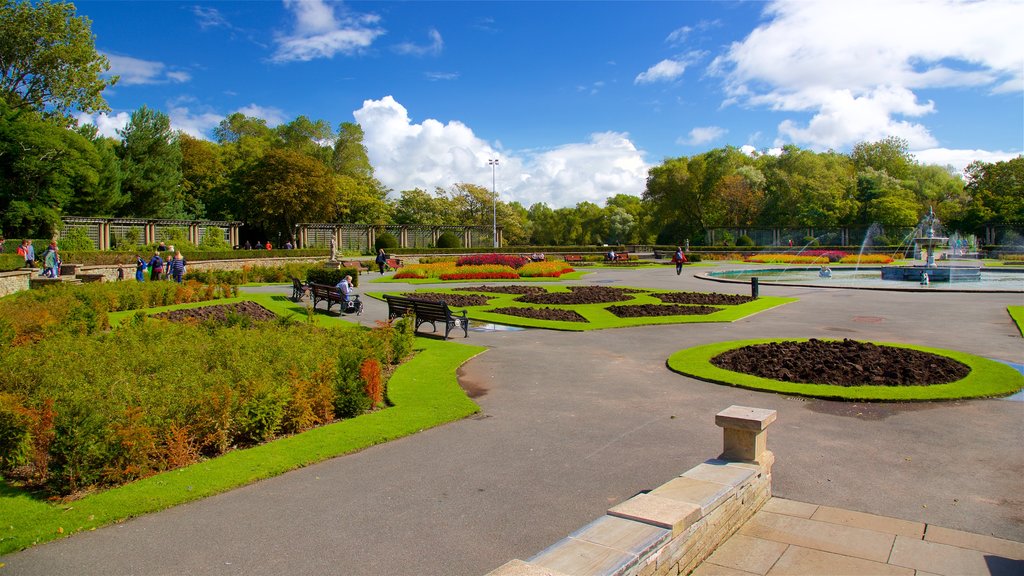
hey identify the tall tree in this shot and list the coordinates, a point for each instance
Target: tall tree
(151, 162)
(995, 194)
(203, 177)
(890, 155)
(48, 60)
(350, 157)
(286, 187)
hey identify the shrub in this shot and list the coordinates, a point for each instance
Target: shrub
(387, 241)
(15, 436)
(744, 240)
(448, 240)
(811, 241)
(330, 276)
(369, 372)
(10, 262)
(75, 239)
(510, 260)
(213, 239)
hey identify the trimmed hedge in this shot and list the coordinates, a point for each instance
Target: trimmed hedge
(102, 257)
(10, 262)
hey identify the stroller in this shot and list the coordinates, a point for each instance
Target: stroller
(353, 306)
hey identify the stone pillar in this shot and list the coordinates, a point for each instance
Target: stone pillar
(745, 436)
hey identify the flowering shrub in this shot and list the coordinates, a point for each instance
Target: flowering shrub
(867, 259)
(787, 259)
(547, 269)
(512, 261)
(510, 275)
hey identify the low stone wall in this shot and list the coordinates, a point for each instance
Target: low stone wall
(14, 281)
(673, 528)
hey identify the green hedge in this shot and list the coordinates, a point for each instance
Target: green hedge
(10, 262)
(330, 276)
(99, 257)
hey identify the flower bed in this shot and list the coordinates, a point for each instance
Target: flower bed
(866, 259)
(484, 267)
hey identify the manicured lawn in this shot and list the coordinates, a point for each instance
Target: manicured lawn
(987, 378)
(597, 315)
(424, 393)
(1017, 313)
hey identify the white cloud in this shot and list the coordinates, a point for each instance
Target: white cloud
(959, 159)
(678, 36)
(664, 71)
(432, 154)
(855, 67)
(320, 33)
(434, 48)
(703, 135)
(105, 124)
(435, 76)
(135, 71)
(209, 18)
(272, 115)
(196, 125)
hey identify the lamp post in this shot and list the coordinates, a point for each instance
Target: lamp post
(493, 163)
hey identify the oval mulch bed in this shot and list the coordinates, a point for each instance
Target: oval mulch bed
(511, 289)
(580, 295)
(845, 363)
(647, 310)
(453, 300)
(541, 314)
(218, 312)
(706, 298)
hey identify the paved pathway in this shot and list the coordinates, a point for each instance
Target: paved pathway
(572, 424)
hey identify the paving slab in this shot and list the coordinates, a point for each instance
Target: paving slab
(844, 540)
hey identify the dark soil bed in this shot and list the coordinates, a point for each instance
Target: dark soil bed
(541, 314)
(646, 310)
(218, 313)
(452, 300)
(512, 289)
(706, 298)
(580, 295)
(846, 363)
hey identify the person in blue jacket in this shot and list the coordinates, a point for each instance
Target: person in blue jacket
(156, 267)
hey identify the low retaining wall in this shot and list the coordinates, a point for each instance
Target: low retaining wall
(673, 528)
(14, 281)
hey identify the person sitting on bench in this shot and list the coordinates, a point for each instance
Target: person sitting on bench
(345, 287)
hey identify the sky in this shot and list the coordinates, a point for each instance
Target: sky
(577, 100)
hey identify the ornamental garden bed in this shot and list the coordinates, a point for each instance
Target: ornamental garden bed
(593, 307)
(848, 370)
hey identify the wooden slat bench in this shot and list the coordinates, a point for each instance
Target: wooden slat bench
(622, 256)
(360, 267)
(573, 258)
(427, 311)
(329, 294)
(299, 289)
(394, 263)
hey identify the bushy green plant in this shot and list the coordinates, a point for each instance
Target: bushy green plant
(811, 241)
(330, 276)
(744, 240)
(129, 241)
(15, 438)
(10, 262)
(213, 239)
(448, 240)
(387, 241)
(75, 239)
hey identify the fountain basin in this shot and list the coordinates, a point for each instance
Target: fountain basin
(935, 273)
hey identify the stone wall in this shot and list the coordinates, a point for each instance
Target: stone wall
(14, 281)
(673, 528)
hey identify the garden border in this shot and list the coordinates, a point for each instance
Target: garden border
(988, 378)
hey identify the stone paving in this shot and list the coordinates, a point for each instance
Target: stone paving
(573, 424)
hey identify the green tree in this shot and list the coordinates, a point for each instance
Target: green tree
(350, 157)
(890, 155)
(995, 194)
(48, 60)
(43, 167)
(418, 206)
(151, 161)
(286, 187)
(203, 180)
(106, 197)
(307, 136)
(543, 228)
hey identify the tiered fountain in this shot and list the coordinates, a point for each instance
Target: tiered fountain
(926, 240)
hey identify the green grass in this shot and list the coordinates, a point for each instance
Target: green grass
(424, 393)
(987, 378)
(597, 315)
(1017, 313)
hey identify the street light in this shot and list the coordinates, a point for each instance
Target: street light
(493, 163)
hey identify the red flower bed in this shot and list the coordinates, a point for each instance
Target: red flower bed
(514, 262)
(481, 276)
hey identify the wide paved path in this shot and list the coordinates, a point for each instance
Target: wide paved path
(573, 423)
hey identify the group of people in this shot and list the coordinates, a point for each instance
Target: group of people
(264, 246)
(174, 265)
(50, 258)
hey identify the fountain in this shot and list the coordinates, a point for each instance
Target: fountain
(931, 272)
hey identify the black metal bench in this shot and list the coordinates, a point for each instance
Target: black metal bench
(299, 289)
(427, 311)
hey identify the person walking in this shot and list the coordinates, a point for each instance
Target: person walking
(50, 262)
(679, 259)
(156, 267)
(382, 260)
(140, 269)
(176, 267)
(28, 252)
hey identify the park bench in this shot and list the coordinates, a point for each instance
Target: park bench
(394, 263)
(573, 258)
(622, 256)
(329, 294)
(299, 289)
(426, 311)
(360, 267)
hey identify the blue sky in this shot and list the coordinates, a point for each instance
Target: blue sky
(578, 100)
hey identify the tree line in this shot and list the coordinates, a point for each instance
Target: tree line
(305, 170)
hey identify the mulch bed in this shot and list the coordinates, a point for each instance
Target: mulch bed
(646, 310)
(541, 314)
(706, 298)
(580, 295)
(846, 363)
(453, 300)
(510, 289)
(218, 313)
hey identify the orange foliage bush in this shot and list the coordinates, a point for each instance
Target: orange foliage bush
(369, 371)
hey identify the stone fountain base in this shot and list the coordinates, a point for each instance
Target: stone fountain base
(935, 273)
